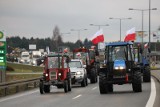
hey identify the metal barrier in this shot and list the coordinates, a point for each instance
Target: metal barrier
(16, 84)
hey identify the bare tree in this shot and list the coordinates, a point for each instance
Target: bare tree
(56, 38)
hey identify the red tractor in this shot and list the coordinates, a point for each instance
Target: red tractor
(56, 72)
(89, 59)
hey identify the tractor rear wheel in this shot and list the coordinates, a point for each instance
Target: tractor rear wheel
(83, 83)
(147, 75)
(69, 85)
(137, 83)
(93, 77)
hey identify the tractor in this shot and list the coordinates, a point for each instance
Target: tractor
(56, 73)
(141, 56)
(119, 68)
(88, 57)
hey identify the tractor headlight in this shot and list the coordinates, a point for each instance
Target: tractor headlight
(119, 68)
(59, 74)
(46, 75)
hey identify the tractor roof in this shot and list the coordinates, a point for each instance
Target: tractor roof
(119, 43)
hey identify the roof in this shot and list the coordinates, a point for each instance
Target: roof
(118, 43)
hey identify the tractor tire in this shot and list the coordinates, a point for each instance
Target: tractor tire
(86, 81)
(69, 85)
(136, 82)
(47, 88)
(41, 87)
(83, 83)
(102, 86)
(147, 75)
(93, 78)
(65, 84)
(110, 87)
(59, 86)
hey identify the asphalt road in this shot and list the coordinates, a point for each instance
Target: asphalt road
(89, 96)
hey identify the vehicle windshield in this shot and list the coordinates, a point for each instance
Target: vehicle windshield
(52, 62)
(117, 53)
(75, 64)
(82, 55)
(36, 56)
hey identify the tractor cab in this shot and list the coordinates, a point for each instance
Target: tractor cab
(56, 72)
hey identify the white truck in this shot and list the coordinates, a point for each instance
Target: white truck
(25, 58)
(35, 56)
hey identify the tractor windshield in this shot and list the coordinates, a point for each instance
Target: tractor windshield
(53, 62)
(117, 53)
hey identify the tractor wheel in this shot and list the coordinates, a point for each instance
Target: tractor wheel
(83, 83)
(136, 82)
(147, 75)
(65, 86)
(102, 86)
(86, 81)
(110, 87)
(47, 88)
(93, 76)
(69, 85)
(59, 86)
(41, 87)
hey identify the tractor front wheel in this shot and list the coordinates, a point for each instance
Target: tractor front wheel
(41, 87)
(137, 83)
(65, 84)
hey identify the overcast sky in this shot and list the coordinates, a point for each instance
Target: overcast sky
(37, 18)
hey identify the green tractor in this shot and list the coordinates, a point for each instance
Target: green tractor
(119, 68)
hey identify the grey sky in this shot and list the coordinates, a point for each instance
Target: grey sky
(37, 18)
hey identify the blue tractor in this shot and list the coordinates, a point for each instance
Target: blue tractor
(119, 68)
(141, 55)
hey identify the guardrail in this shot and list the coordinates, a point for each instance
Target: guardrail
(16, 86)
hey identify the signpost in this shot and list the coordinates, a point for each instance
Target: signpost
(2, 57)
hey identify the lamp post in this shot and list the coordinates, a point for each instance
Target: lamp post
(78, 30)
(99, 26)
(142, 11)
(120, 19)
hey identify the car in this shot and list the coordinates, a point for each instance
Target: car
(78, 72)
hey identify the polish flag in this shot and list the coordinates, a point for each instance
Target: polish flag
(146, 45)
(130, 35)
(98, 37)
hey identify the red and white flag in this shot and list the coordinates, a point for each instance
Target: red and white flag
(98, 37)
(130, 35)
(146, 45)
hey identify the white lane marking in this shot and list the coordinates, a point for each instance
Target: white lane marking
(94, 88)
(77, 96)
(17, 96)
(152, 94)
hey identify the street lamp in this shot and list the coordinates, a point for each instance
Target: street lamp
(78, 30)
(142, 10)
(120, 19)
(99, 26)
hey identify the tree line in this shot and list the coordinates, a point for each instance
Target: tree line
(53, 42)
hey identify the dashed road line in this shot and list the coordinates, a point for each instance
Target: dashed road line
(77, 96)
